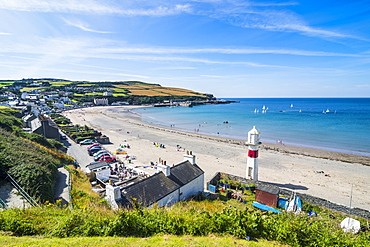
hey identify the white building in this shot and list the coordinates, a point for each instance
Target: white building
(168, 186)
(103, 101)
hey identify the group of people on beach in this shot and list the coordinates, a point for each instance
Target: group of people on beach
(124, 146)
(157, 144)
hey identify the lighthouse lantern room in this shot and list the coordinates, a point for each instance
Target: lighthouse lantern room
(252, 165)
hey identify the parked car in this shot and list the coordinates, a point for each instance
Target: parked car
(107, 158)
(119, 151)
(97, 157)
(100, 152)
(93, 150)
(93, 145)
(87, 142)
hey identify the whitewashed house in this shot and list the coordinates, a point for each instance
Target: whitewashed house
(170, 185)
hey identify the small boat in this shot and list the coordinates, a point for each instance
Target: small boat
(327, 111)
(291, 106)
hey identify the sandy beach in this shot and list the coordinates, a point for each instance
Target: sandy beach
(289, 167)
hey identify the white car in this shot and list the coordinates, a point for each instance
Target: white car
(100, 152)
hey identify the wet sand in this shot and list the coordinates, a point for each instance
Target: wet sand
(325, 174)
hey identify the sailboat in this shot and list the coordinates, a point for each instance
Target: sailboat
(291, 106)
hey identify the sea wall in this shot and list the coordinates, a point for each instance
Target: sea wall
(304, 197)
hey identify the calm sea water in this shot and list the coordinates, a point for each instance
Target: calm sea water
(337, 124)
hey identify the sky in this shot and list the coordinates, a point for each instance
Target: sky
(229, 48)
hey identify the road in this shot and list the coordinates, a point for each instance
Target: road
(79, 153)
(61, 190)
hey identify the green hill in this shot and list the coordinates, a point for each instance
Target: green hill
(115, 91)
(30, 158)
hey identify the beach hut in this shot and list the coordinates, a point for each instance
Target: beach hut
(267, 195)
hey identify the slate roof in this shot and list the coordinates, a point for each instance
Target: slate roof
(271, 190)
(185, 172)
(149, 191)
(96, 164)
(35, 124)
(157, 186)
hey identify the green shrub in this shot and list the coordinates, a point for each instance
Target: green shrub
(185, 218)
(35, 179)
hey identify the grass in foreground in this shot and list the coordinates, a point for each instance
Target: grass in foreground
(159, 240)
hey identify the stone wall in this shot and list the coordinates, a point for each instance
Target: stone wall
(305, 198)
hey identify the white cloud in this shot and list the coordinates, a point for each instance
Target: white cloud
(271, 16)
(253, 50)
(81, 25)
(212, 76)
(247, 3)
(263, 15)
(5, 33)
(175, 68)
(92, 6)
(58, 51)
(274, 20)
(363, 86)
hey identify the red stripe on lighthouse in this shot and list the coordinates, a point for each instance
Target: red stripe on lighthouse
(253, 153)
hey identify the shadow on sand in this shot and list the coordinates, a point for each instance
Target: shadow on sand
(288, 186)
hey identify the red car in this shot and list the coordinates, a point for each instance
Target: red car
(93, 145)
(107, 158)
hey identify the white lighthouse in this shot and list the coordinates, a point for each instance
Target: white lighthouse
(252, 165)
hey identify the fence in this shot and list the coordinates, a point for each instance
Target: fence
(24, 194)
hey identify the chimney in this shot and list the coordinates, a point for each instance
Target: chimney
(164, 168)
(113, 192)
(189, 157)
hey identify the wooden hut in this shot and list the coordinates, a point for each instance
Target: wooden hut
(267, 195)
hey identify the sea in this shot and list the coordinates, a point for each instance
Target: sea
(334, 124)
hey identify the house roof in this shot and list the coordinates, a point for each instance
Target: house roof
(150, 190)
(157, 186)
(29, 117)
(96, 164)
(271, 190)
(185, 172)
(35, 124)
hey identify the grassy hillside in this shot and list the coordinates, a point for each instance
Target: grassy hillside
(160, 240)
(30, 158)
(131, 91)
(157, 90)
(90, 217)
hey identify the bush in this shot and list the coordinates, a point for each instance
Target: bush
(35, 179)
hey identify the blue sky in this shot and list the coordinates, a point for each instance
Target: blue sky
(230, 48)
